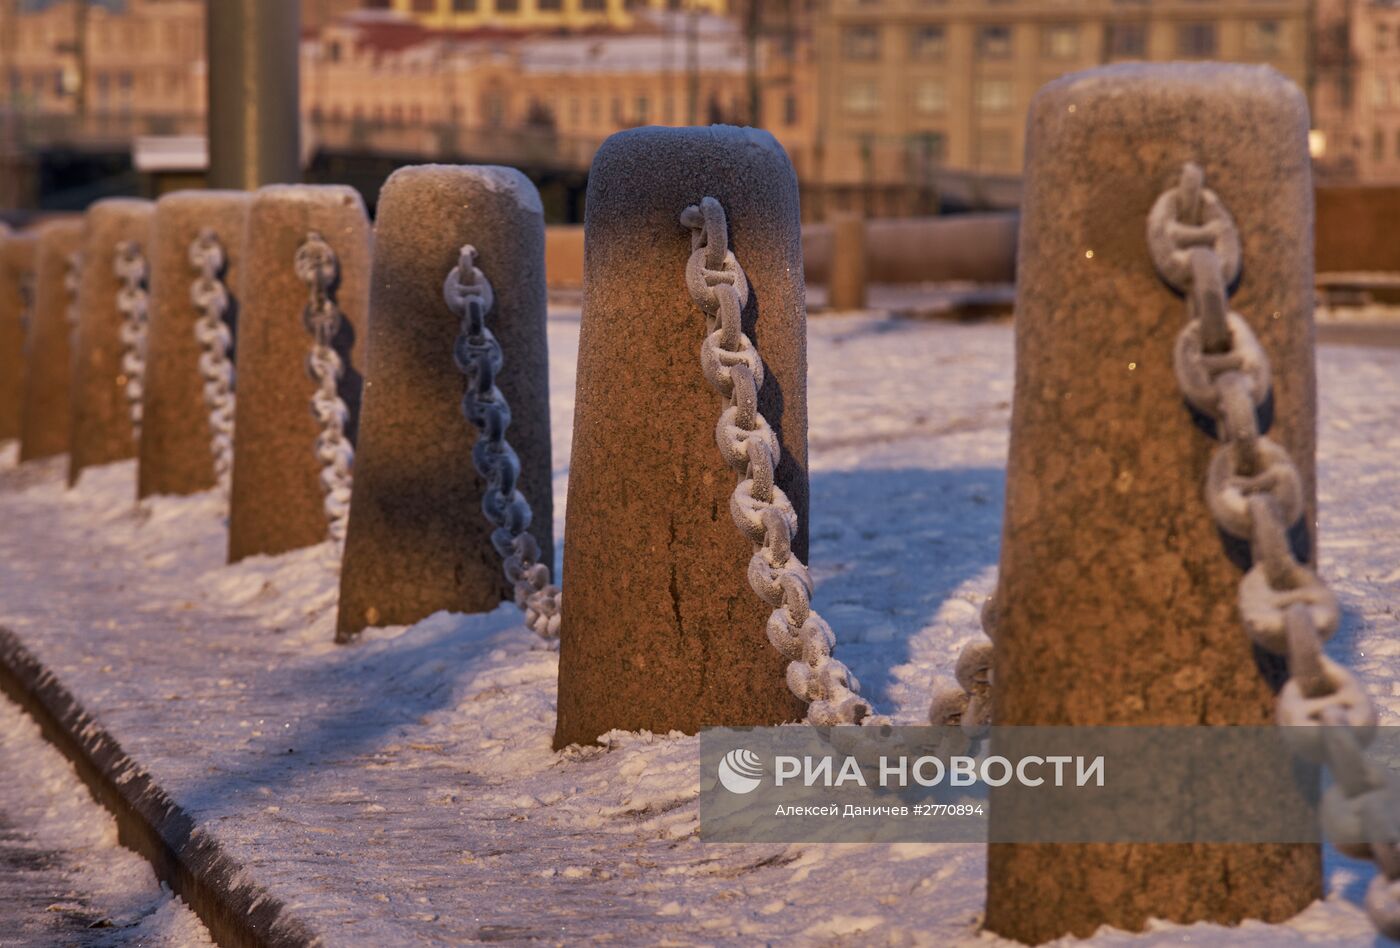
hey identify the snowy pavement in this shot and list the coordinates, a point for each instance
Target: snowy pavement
(63, 878)
(403, 790)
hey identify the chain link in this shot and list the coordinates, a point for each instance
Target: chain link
(318, 268)
(133, 302)
(478, 355)
(759, 508)
(72, 280)
(1254, 492)
(211, 330)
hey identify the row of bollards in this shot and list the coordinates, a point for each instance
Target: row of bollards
(1116, 600)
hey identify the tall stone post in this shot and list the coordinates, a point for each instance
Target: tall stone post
(17, 253)
(277, 501)
(48, 412)
(660, 628)
(1118, 598)
(847, 289)
(418, 542)
(102, 423)
(254, 69)
(175, 430)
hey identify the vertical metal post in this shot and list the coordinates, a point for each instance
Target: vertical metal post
(254, 101)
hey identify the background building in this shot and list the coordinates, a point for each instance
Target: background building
(1356, 91)
(543, 14)
(912, 89)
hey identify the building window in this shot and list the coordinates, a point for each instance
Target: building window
(928, 44)
(643, 110)
(1060, 41)
(930, 97)
(1196, 40)
(424, 6)
(790, 110)
(993, 95)
(861, 97)
(1380, 92)
(595, 6)
(862, 43)
(1127, 40)
(994, 42)
(1377, 146)
(549, 6)
(463, 6)
(1264, 37)
(507, 6)
(928, 149)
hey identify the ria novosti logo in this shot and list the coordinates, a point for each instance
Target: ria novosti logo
(741, 771)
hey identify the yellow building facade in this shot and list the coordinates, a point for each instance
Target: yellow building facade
(912, 89)
(542, 14)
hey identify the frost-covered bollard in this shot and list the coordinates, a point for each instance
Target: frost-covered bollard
(47, 421)
(108, 364)
(661, 629)
(16, 312)
(278, 502)
(176, 454)
(1117, 596)
(418, 542)
(849, 273)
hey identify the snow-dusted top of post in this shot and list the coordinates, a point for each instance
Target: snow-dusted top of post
(198, 198)
(498, 178)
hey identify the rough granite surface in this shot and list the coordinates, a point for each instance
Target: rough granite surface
(102, 429)
(660, 629)
(277, 501)
(1118, 596)
(48, 413)
(175, 452)
(16, 277)
(418, 542)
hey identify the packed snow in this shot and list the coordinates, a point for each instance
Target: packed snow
(404, 789)
(63, 877)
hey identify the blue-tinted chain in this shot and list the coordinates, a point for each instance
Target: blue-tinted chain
(760, 509)
(1254, 493)
(133, 302)
(210, 297)
(317, 267)
(477, 354)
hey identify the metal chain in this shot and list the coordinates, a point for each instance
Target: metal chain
(965, 701)
(1254, 493)
(760, 509)
(133, 302)
(211, 298)
(72, 280)
(477, 354)
(317, 267)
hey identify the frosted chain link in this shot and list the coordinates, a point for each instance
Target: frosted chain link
(210, 297)
(133, 302)
(318, 267)
(759, 508)
(477, 354)
(1254, 492)
(72, 279)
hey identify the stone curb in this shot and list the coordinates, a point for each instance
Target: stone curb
(237, 912)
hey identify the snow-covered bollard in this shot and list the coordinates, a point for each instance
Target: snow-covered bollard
(108, 364)
(47, 420)
(418, 542)
(848, 282)
(16, 312)
(278, 502)
(1117, 597)
(661, 629)
(176, 456)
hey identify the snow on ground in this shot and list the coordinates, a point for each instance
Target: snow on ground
(63, 877)
(403, 789)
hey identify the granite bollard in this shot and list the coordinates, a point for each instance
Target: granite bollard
(48, 413)
(103, 431)
(849, 271)
(16, 313)
(418, 542)
(661, 630)
(277, 501)
(175, 429)
(1117, 596)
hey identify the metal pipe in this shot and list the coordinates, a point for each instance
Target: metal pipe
(254, 101)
